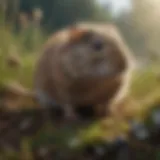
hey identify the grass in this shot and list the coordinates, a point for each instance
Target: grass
(145, 91)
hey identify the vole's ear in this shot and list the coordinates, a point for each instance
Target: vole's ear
(77, 34)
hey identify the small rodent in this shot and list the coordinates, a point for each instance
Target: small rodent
(84, 64)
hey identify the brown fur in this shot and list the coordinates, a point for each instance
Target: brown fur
(61, 72)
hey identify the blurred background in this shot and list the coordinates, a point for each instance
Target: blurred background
(26, 133)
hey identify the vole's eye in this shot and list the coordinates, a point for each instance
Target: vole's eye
(97, 45)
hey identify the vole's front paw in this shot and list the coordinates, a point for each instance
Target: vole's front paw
(70, 114)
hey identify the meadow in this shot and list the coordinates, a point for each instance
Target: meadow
(41, 138)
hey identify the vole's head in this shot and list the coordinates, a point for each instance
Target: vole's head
(93, 51)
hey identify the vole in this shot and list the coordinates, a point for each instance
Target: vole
(84, 64)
